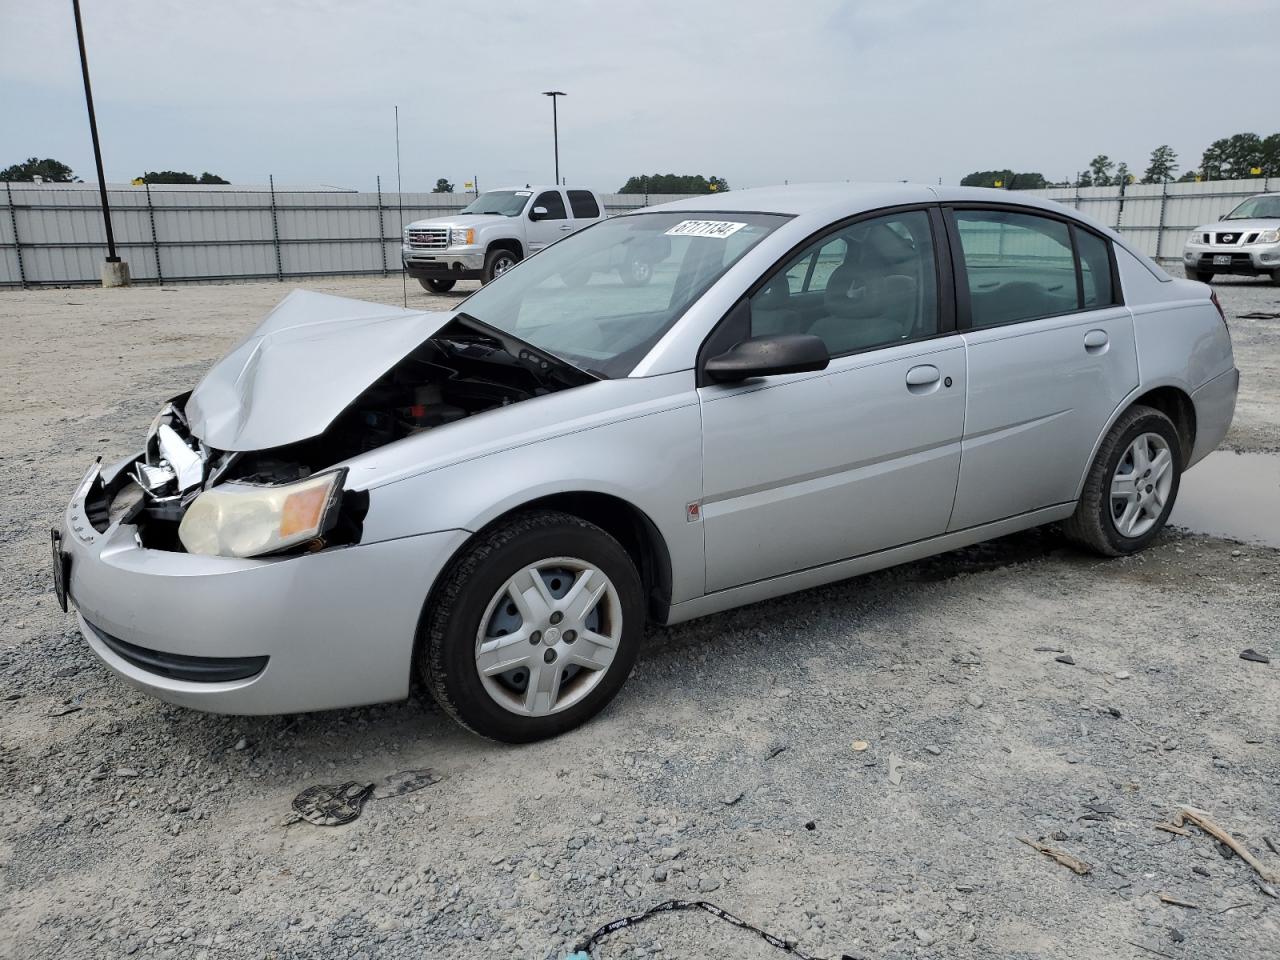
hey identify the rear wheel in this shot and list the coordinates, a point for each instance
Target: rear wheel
(636, 273)
(497, 262)
(437, 284)
(534, 629)
(1131, 487)
(1204, 276)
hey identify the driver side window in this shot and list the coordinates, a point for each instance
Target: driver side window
(868, 285)
(554, 202)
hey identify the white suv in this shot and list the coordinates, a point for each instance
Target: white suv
(1245, 242)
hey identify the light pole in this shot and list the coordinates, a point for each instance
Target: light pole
(114, 273)
(555, 126)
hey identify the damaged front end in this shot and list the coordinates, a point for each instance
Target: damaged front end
(252, 462)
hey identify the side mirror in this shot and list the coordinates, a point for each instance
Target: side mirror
(537, 213)
(768, 357)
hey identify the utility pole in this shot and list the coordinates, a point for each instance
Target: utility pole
(115, 273)
(555, 126)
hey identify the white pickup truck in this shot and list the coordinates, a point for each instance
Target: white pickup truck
(493, 233)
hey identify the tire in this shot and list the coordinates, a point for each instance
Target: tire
(473, 596)
(1204, 276)
(1094, 524)
(636, 273)
(1275, 276)
(497, 262)
(437, 285)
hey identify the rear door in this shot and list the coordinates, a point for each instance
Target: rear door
(552, 225)
(1051, 356)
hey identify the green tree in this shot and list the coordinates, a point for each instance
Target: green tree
(1100, 168)
(1122, 177)
(180, 176)
(1271, 156)
(1162, 165)
(1243, 153)
(1213, 160)
(443, 186)
(674, 183)
(1191, 176)
(51, 171)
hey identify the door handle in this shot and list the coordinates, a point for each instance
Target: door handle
(566, 227)
(1095, 341)
(922, 375)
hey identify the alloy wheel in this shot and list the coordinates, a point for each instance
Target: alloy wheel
(1141, 485)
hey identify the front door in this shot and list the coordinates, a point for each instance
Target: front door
(802, 470)
(552, 225)
(1051, 356)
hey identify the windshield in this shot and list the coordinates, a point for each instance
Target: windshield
(508, 203)
(1257, 208)
(601, 298)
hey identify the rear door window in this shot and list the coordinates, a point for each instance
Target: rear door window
(1019, 266)
(583, 203)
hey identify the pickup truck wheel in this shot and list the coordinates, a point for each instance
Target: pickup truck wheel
(534, 628)
(636, 273)
(441, 285)
(498, 262)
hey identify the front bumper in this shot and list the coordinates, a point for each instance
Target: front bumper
(1249, 261)
(463, 264)
(336, 628)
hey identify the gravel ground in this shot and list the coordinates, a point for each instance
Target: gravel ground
(728, 769)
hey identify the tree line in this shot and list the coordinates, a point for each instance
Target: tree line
(55, 171)
(1237, 157)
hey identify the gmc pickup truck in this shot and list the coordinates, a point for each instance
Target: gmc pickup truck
(493, 233)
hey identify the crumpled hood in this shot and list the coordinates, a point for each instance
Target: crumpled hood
(302, 366)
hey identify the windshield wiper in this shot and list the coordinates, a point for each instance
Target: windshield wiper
(533, 358)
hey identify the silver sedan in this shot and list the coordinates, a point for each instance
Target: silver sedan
(803, 384)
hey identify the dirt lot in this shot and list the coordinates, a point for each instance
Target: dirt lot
(726, 770)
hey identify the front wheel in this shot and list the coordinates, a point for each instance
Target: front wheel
(496, 263)
(1131, 486)
(437, 284)
(1204, 276)
(534, 628)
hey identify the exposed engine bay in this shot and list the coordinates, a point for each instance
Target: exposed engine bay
(463, 371)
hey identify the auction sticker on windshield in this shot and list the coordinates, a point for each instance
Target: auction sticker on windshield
(705, 228)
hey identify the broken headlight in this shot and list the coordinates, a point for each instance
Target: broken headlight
(249, 520)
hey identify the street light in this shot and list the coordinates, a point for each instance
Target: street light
(114, 272)
(555, 126)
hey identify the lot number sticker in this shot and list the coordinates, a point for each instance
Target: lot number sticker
(705, 228)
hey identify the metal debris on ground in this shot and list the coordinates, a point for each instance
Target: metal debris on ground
(404, 782)
(1254, 656)
(1260, 315)
(583, 950)
(1202, 820)
(1066, 658)
(895, 769)
(1071, 863)
(1175, 902)
(332, 804)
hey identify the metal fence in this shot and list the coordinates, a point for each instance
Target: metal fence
(1157, 217)
(53, 234)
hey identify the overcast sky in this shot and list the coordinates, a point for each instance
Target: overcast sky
(755, 91)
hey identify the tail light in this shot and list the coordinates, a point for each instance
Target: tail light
(1213, 297)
